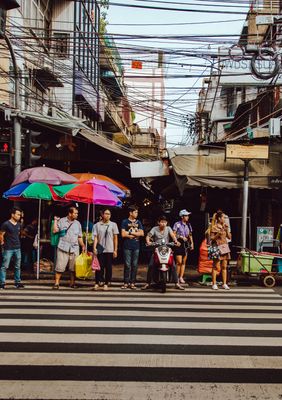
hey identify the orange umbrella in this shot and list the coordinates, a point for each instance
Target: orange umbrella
(86, 176)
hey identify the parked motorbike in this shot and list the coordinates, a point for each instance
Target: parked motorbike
(163, 262)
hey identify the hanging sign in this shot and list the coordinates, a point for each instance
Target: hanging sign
(136, 64)
(148, 169)
(247, 152)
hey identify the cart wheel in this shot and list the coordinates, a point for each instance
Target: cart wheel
(269, 281)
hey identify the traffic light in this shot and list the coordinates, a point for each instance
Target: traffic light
(5, 148)
(31, 148)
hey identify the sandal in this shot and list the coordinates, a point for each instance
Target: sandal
(133, 287)
(146, 287)
(124, 286)
(73, 286)
(56, 287)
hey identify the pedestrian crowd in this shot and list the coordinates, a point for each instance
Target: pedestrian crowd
(105, 234)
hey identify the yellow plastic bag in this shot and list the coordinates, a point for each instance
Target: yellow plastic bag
(83, 269)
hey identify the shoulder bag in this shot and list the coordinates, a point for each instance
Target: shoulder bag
(63, 232)
(213, 252)
(224, 249)
(100, 249)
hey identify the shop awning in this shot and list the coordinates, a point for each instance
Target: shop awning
(107, 144)
(62, 122)
(206, 167)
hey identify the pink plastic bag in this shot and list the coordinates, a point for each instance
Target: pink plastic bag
(95, 263)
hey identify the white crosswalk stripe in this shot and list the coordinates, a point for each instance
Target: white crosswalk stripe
(124, 345)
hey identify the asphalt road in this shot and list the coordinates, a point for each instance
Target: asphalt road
(123, 345)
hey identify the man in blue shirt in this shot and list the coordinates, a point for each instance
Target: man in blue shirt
(131, 231)
(10, 239)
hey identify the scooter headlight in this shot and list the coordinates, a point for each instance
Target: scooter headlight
(163, 250)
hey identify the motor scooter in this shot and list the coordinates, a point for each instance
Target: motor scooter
(162, 263)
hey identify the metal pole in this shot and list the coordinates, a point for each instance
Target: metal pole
(87, 227)
(245, 203)
(38, 241)
(17, 121)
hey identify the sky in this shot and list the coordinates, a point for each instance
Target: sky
(182, 51)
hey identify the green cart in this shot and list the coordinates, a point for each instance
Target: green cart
(258, 264)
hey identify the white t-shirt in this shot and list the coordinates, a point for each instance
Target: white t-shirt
(157, 236)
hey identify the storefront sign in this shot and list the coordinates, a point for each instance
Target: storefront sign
(238, 72)
(148, 169)
(265, 234)
(275, 181)
(247, 152)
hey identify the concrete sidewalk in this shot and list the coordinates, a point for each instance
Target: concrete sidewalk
(192, 276)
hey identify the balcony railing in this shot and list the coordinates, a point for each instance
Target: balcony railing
(111, 63)
(113, 112)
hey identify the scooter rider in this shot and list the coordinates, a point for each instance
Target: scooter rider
(157, 234)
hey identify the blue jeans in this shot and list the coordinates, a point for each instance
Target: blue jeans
(130, 265)
(7, 256)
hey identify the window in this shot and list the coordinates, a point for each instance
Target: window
(2, 20)
(38, 15)
(87, 40)
(231, 102)
(61, 44)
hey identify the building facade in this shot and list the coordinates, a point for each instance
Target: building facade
(244, 90)
(71, 83)
(146, 91)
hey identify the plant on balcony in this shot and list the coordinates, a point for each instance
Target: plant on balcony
(104, 4)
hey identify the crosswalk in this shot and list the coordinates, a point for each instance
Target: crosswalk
(118, 345)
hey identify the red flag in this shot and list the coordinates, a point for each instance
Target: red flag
(136, 64)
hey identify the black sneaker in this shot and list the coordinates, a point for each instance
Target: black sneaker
(73, 286)
(2, 286)
(19, 285)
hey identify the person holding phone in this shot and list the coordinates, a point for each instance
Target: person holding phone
(219, 233)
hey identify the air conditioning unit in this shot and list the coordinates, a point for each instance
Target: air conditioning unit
(274, 127)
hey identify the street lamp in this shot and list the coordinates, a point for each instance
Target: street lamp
(4, 7)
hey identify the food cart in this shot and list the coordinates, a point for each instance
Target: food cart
(266, 266)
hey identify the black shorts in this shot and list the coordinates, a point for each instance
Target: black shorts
(181, 250)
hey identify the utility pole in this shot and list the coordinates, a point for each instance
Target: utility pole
(246, 152)
(8, 5)
(245, 203)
